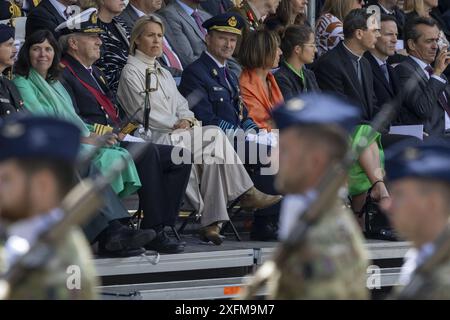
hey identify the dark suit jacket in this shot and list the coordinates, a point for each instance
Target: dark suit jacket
(210, 97)
(186, 37)
(421, 103)
(44, 16)
(290, 83)
(213, 6)
(84, 102)
(384, 91)
(335, 73)
(129, 16)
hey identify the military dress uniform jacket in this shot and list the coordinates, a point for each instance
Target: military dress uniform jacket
(10, 100)
(85, 104)
(214, 100)
(332, 264)
(251, 22)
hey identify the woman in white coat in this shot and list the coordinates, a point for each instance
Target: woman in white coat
(218, 175)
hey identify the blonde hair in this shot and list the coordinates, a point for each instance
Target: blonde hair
(139, 28)
(338, 8)
(415, 5)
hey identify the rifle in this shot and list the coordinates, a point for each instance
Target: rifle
(333, 178)
(80, 204)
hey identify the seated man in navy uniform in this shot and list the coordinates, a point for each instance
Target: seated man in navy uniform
(163, 182)
(10, 100)
(213, 94)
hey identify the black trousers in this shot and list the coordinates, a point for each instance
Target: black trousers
(163, 185)
(113, 209)
(255, 161)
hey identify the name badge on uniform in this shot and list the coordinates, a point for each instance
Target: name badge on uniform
(218, 89)
(3, 100)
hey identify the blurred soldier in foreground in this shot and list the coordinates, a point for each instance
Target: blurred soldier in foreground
(419, 209)
(36, 172)
(332, 262)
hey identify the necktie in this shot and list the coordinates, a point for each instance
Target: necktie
(385, 71)
(199, 22)
(442, 97)
(95, 80)
(225, 75)
(171, 58)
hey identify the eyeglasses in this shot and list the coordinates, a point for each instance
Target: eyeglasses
(309, 45)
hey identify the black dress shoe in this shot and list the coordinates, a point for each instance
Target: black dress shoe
(163, 244)
(265, 232)
(124, 238)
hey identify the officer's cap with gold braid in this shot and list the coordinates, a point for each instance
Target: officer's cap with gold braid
(225, 22)
(85, 23)
(416, 159)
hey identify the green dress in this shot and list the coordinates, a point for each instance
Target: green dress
(51, 99)
(358, 182)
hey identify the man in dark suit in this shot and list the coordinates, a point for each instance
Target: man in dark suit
(163, 182)
(344, 71)
(184, 19)
(426, 103)
(138, 8)
(213, 94)
(215, 7)
(49, 14)
(386, 83)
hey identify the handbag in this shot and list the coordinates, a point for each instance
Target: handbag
(376, 223)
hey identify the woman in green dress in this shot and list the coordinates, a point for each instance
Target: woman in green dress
(36, 74)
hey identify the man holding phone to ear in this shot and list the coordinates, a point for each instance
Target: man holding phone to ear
(428, 102)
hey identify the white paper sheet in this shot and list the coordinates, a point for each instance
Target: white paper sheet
(411, 130)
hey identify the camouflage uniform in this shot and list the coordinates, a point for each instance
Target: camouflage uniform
(52, 281)
(332, 264)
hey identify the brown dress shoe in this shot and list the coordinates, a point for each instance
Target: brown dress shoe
(255, 199)
(211, 233)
